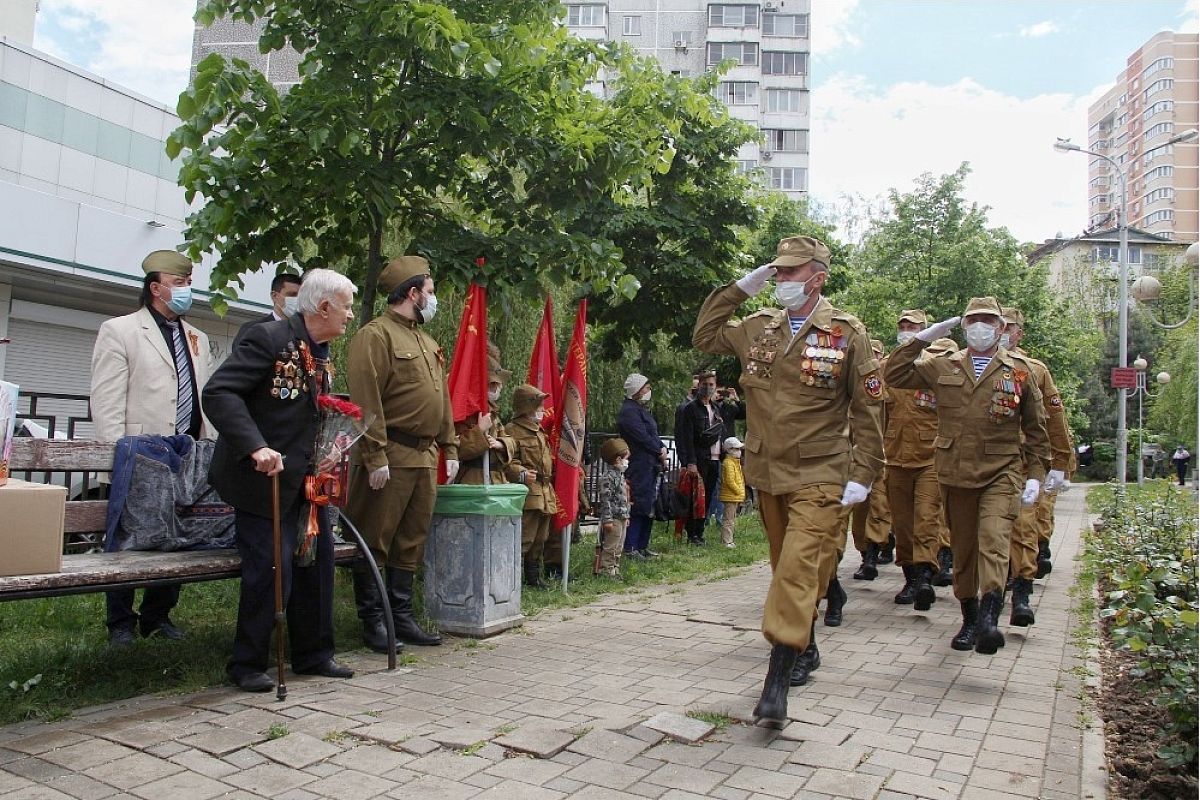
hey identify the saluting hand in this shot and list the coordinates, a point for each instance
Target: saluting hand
(756, 279)
(267, 460)
(938, 329)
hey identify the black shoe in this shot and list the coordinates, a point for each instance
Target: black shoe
(634, 554)
(965, 638)
(835, 599)
(532, 572)
(1044, 565)
(1022, 612)
(330, 669)
(164, 630)
(923, 595)
(121, 636)
(808, 660)
(648, 553)
(400, 586)
(254, 682)
(945, 576)
(554, 572)
(988, 638)
(907, 595)
(772, 705)
(369, 604)
(868, 571)
(696, 540)
(887, 553)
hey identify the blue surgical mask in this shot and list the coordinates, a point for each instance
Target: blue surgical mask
(181, 299)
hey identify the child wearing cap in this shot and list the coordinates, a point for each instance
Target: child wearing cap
(733, 486)
(612, 506)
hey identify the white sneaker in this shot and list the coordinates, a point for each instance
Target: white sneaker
(729, 544)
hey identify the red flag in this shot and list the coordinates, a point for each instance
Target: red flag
(543, 368)
(568, 457)
(469, 369)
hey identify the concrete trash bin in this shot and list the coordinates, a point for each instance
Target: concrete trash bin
(473, 559)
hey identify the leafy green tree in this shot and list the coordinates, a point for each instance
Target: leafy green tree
(1174, 412)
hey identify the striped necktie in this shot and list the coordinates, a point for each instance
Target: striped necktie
(183, 372)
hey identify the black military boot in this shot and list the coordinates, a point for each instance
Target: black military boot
(965, 638)
(923, 595)
(868, 571)
(554, 572)
(907, 595)
(1044, 565)
(1022, 613)
(533, 575)
(835, 598)
(369, 603)
(808, 660)
(988, 638)
(887, 553)
(400, 588)
(772, 706)
(945, 576)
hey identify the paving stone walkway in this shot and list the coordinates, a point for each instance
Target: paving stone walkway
(588, 704)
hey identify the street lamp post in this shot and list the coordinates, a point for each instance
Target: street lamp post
(1066, 146)
(1142, 391)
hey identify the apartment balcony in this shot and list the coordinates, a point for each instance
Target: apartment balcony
(716, 33)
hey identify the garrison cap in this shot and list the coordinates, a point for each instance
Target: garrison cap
(797, 250)
(612, 449)
(983, 305)
(1012, 316)
(168, 262)
(914, 315)
(527, 398)
(398, 270)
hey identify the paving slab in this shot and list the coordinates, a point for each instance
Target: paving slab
(297, 750)
(536, 740)
(679, 727)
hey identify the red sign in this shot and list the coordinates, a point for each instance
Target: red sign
(1123, 378)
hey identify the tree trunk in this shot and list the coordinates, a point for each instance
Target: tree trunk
(374, 267)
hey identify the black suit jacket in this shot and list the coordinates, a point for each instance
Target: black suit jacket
(238, 400)
(692, 443)
(268, 317)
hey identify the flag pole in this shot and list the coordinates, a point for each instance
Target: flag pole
(566, 548)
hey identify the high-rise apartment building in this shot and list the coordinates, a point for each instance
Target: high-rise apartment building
(768, 86)
(1155, 98)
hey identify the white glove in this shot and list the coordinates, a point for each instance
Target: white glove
(1054, 479)
(756, 279)
(451, 470)
(938, 329)
(1033, 488)
(1065, 486)
(854, 493)
(379, 477)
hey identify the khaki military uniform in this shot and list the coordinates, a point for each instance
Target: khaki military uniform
(1023, 548)
(395, 372)
(541, 504)
(981, 456)
(473, 443)
(871, 521)
(813, 405)
(912, 483)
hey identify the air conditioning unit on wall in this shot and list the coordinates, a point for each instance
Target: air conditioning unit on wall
(681, 44)
(766, 155)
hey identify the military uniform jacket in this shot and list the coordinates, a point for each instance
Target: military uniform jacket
(911, 426)
(473, 443)
(1061, 449)
(986, 426)
(533, 452)
(813, 401)
(395, 374)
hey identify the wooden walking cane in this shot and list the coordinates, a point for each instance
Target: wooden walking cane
(280, 624)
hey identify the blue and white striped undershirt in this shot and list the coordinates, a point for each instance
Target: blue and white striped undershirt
(797, 323)
(980, 363)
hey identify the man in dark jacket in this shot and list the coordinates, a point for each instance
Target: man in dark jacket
(284, 290)
(647, 457)
(263, 402)
(698, 441)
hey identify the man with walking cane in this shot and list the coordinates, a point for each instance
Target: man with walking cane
(263, 402)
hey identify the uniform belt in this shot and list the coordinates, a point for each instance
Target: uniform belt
(408, 440)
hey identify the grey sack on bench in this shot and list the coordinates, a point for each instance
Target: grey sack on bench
(160, 498)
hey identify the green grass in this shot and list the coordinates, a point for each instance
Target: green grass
(717, 720)
(54, 655)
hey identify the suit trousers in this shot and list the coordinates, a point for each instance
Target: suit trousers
(871, 519)
(307, 595)
(157, 604)
(709, 469)
(916, 504)
(1023, 544)
(535, 529)
(981, 520)
(803, 528)
(394, 521)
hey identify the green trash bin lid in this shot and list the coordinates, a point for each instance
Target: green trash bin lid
(497, 500)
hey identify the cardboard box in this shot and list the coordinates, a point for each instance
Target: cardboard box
(31, 534)
(8, 421)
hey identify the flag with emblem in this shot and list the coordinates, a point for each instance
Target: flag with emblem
(469, 367)
(568, 444)
(543, 368)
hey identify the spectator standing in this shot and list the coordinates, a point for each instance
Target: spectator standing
(1180, 458)
(647, 457)
(612, 504)
(733, 487)
(147, 371)
(284, 290)
(698, 440)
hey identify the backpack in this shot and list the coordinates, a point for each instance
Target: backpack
(667, 502)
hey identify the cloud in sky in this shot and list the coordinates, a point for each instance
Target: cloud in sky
(866, 139)
(833, 26)
(1039, 29)
(1189, 17)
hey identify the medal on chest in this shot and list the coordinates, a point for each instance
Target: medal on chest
(761, 356)
(823, 357)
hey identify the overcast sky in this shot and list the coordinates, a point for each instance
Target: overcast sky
(900, 87)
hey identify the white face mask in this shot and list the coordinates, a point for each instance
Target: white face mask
(980, 336)
(494, 395)
(621, 465)
(290, 306)
(734, 453)
(904, 337)
(425, 313)
(645, 399)
(537, 415)
(792, 295)
(1005, 341)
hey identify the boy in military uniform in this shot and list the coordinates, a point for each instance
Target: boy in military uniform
(612, 504)
(484, 433)
(991, 433)
(533, 466)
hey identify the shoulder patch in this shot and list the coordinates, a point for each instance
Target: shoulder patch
(873, 386)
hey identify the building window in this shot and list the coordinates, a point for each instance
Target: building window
(1113, 253)
(785, 63)
(1160, 85)
(744, 53)
(1166, 193)
(738, 93)
(1160, 64)
(786, 100)
(1157, 108)
(745, 166)
(729, 16)
(1158, 152)
(632, 26)
(785, 25)
(786, 141)
(1160, 129)
(681, 38)
(791, 179)
(586, 15)
(1165, 171)
(1157, 262)
(1099, 181)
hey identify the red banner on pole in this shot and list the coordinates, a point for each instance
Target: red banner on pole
(568, 457)
(543, 369)
(469, 367)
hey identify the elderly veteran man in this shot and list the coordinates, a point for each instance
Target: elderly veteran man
(148, 368)
(396, 373)
(814, 442)
(1026, 550)
(991, 434)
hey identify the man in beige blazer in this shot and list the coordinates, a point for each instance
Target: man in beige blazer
(148, 368)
